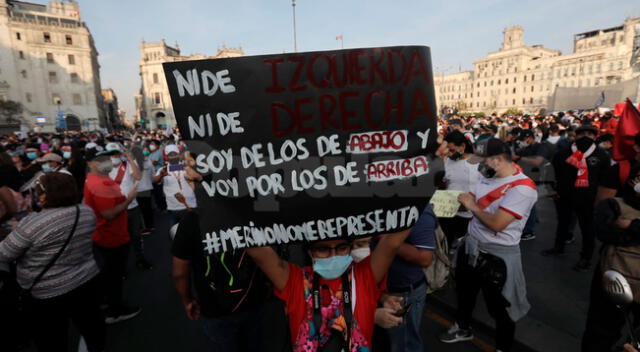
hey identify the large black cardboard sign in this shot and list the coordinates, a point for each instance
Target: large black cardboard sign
(307, 146)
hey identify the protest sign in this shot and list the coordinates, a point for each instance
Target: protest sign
(307, 146)
(445, 203)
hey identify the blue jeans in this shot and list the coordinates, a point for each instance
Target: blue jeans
(530, 226)
(406, 337)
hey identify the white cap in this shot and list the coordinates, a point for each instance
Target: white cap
(113, 147)
(90, 145)
(171, 148)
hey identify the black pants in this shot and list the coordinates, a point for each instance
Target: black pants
(158, 197)
(454, 227)
(134, 225)
(468, 285)
(605, 321)
(50, 319)
(583, 209)
(113, 263)
(147, 211)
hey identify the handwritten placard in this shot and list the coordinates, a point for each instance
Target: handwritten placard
(445, 203)
(307, 146)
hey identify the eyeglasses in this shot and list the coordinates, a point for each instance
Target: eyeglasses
(326, 251)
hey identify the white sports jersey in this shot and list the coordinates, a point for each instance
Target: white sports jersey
(515, 194)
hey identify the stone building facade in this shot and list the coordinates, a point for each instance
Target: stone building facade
(153, 102)
(49, 63)
(525, 77)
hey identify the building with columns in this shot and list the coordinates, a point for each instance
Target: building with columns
(49, 64)
(153, 102)
(526, 77)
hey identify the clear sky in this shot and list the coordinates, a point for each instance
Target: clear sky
(458, 32)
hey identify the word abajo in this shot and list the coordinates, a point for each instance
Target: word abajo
(378, 141)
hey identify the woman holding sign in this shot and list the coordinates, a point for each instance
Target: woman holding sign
(321, 299)
(459, 175)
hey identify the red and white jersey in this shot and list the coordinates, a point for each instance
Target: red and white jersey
(515, 194)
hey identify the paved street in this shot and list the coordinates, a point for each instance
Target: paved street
(558, 295)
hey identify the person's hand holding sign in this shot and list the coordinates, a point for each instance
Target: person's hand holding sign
(192, 308)
(467, 201)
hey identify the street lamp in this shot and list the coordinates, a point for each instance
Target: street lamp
(295, 40)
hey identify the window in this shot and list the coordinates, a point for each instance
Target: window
(533, 77)
(514, 91)
(28, 97)
(49, 58)
(506, 81)
(46, 37)
(492, 83)
(530, 100)
(524, 78)
(23, 73)
(532, 88)
(573, 71)
(611, 66)
(514, 102)
(485, 83)
(598, 68)
(18, 36)
(155, 78)
(515, 79)
(72, 60)
(498, 82)
(619, 65)
(55, 98)
(75, 78)
(53, 77)
(68, 39)
(77, 100)
(590, 69)
(21, 54)
(156, 98)
(523, 101)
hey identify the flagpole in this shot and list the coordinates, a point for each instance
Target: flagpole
(295, 40)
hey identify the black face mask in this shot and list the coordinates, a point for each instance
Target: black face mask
(174, 161)
(486, 170)
(455, 156)
(583, 143)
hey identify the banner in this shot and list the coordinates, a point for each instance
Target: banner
(307, 146)
(445, 203)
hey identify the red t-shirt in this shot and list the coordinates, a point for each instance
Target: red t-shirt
(102, 193)
(298, 299)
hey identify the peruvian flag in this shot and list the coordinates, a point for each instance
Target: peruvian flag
(628, 127)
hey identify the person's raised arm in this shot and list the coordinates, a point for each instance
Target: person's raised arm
(181, 274)
(385, 251)
(276, 269)
(110, 214)
(135, 170)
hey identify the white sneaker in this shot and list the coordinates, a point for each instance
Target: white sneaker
(455, 334)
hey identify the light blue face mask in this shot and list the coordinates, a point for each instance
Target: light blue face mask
(32, 156)
(332, 267)
(47, 168)
(66, 155)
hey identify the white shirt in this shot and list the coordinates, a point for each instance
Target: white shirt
(461, 176)
(146, 182)
(173, 183)
(127, 181)
(516, 200)
(553, 139)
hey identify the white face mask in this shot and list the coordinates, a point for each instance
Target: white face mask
(105, 167)
(116, 161)
(360, 254)
(152, 147)
(637, 187)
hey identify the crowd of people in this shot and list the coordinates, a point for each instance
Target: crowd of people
(75, 206)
